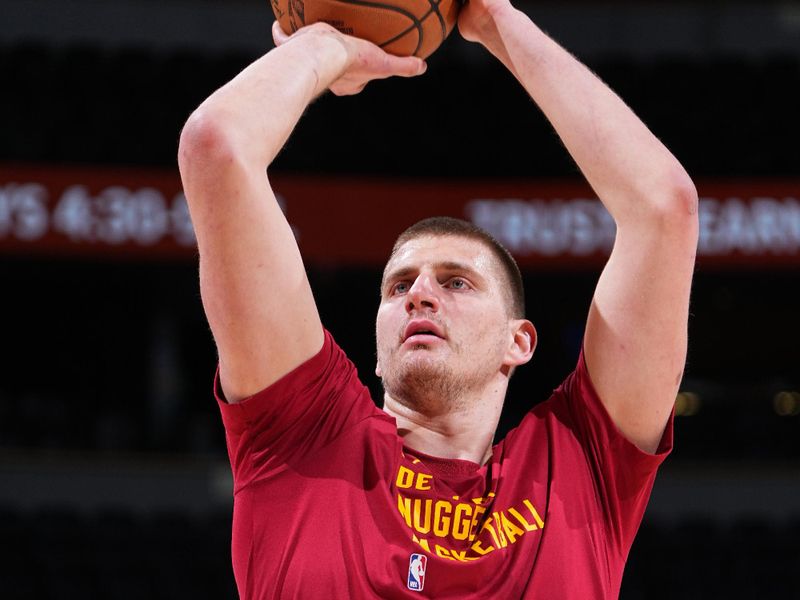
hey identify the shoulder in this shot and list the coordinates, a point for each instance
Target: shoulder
(574, 413)
(323, 390)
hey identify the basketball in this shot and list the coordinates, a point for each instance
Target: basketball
(400, 27)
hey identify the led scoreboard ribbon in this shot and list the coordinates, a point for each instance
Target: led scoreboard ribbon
(143, 214)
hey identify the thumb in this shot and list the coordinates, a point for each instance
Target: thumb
(278, 35)
(406, 66)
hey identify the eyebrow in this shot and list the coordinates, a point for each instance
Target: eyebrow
(445, 265)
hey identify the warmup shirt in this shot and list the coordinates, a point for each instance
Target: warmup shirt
(329, 503)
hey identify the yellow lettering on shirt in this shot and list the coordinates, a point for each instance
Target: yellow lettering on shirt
(441, 524)
(405, 478)
(404, 506)
(479, 510)
(528, 526)
(500, 533)
(497, 532)
(477, 547)
(425, 526)
(461, 522)
(461, 555)
(423, 481)
(443, 552)
(487, 525)
(422, 542)
(512, 531)
(535, 514)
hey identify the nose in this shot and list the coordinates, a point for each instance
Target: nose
(423, 294)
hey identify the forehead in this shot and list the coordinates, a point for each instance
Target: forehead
(442, 250)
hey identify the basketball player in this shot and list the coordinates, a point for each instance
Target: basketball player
(336, 498)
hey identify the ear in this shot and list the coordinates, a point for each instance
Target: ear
(378, 371)
(523, 343)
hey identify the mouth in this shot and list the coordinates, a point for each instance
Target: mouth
(422, 331)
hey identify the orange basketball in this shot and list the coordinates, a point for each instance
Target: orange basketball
(401, 27)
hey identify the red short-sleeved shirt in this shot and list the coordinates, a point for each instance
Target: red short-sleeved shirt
(329, 503)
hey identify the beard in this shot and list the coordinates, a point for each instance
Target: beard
(429, 384)
(426, 385)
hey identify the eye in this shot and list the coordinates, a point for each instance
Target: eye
(457, 283)
(401, 287)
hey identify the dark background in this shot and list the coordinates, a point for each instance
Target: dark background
(113, 476)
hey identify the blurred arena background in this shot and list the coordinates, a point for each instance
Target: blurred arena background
(114, 480)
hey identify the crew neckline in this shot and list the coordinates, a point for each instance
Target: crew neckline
(445, 466)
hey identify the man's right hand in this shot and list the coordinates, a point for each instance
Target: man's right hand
(365, 61)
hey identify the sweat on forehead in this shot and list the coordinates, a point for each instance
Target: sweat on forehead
(450, 227)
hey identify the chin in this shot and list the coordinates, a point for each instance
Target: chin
(423, 381)
(422, 362)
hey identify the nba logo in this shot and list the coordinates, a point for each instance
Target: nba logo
(416, 572)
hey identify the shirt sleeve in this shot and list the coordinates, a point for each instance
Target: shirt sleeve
(296, 416)
(623, 474)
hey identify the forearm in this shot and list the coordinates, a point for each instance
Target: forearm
(255, 291)
(635, 339)
(252, 116)
(627, 166)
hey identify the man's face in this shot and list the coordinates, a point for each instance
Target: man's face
(443, 326)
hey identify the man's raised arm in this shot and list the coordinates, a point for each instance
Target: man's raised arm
(253, 284)
(635, 343)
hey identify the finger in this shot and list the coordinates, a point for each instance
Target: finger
(347, 89)
(419, 66)
(278, 35)
(404, 66)
(384, 65)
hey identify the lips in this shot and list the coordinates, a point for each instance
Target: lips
(422, 328)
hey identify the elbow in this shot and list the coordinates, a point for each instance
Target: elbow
(684, 195)
(675, 203)
(205, 142)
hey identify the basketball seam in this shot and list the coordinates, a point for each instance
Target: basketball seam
(417, 22)
(434, 9)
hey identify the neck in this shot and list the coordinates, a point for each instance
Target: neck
(466, 433)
